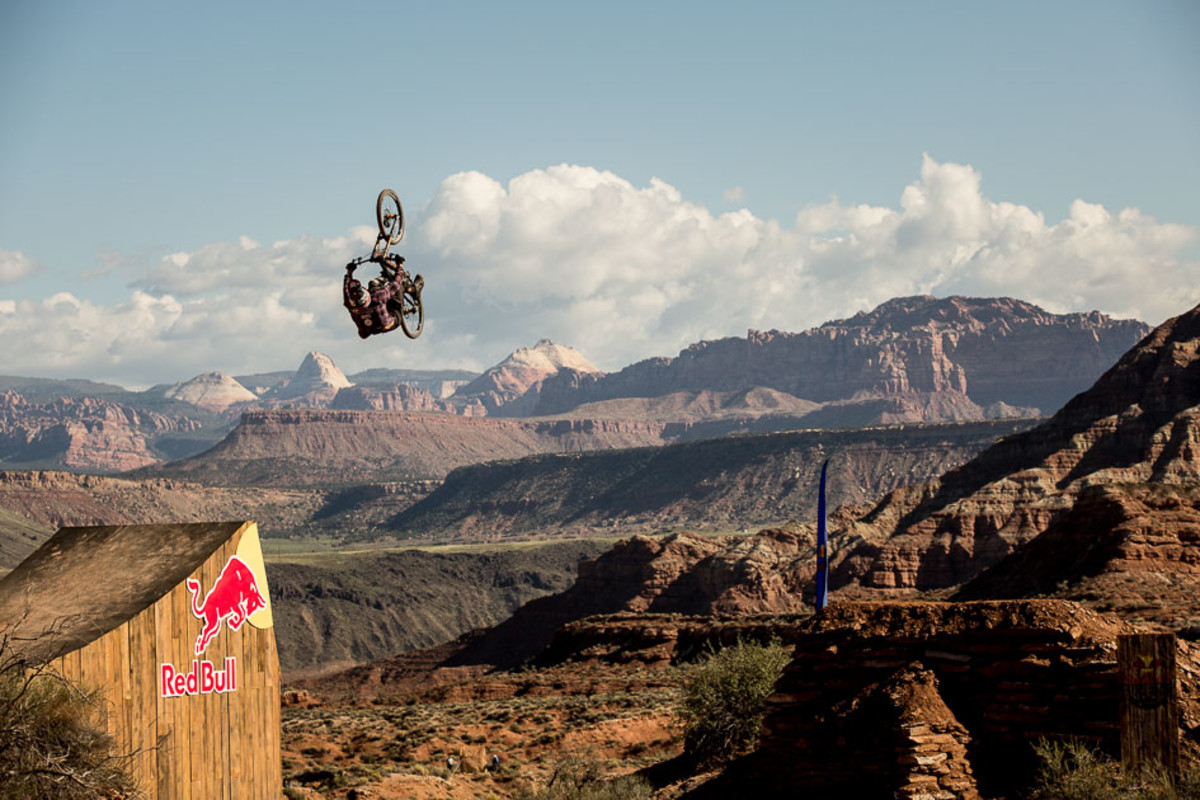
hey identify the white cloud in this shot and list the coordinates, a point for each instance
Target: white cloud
(735, 195)
(618, 271)
(15, 265)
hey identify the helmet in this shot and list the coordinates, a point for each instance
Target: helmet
(377, 283)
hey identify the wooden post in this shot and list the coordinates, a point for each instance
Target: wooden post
(1149, 702)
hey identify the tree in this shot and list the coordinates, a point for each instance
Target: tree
(723, 700)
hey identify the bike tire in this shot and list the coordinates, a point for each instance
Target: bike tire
(391, 226)
(412, 313)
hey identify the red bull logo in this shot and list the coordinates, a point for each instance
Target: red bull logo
(203, 679)
(233, 598)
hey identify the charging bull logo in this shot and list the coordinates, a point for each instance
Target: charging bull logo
(233, 598)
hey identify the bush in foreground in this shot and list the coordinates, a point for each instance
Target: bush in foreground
(582, 779)
(1072, 771)
(49, 747)
(724, 698)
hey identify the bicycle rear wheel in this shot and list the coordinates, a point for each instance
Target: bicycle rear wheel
(412, 313)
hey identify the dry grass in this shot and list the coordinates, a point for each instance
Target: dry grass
(335, 749)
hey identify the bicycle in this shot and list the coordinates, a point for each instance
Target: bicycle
(406, 305)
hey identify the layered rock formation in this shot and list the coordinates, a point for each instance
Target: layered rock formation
(1138, 423)
(678, 574)
(398, 397)
(934, 359)
(975, 683)
(1131, 548)
(305, 447)
(83, 433)
(439, 383)
(900, 699)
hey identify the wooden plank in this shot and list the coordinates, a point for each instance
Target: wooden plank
(1149, 702)
(217, 706)
(182, 747)
(164, 714)
(201, 757)
(252, 734)
(236, 714)
(273, 714)
(121, 694)
(92, 664)
(143, 683)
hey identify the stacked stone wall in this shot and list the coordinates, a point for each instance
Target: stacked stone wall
(996, 677)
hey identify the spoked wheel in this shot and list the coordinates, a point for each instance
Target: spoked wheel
(412, 313)
(390, 216)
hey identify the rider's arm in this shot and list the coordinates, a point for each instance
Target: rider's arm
(352, 290)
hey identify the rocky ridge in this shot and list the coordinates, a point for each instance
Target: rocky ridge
(369, 606)
(1138, 423)
(940, 359)
(714, 484)
(909, 360)
(678, 574)
(1131, 548)
(308, 447)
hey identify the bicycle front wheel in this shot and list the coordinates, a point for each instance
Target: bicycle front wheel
(390, 216)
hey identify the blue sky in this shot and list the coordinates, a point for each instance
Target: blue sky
(136, 132)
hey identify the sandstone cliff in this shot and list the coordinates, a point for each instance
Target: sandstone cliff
(1138, 423)
(948, 359)
(397, 397)
(1130, 548)
(84, 433)
(307, 447)
(439, 383)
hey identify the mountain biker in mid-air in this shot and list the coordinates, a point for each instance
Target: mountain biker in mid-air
(392, 298)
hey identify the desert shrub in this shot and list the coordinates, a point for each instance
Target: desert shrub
(1073, 771)
(49, 747)
(724, 697)
(582, 779)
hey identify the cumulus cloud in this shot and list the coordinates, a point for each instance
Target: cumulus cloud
(619, 271)
(15, 265)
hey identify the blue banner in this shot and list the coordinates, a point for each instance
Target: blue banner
(822, 544)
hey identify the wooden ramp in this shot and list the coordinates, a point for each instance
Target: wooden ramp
(110, 608)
